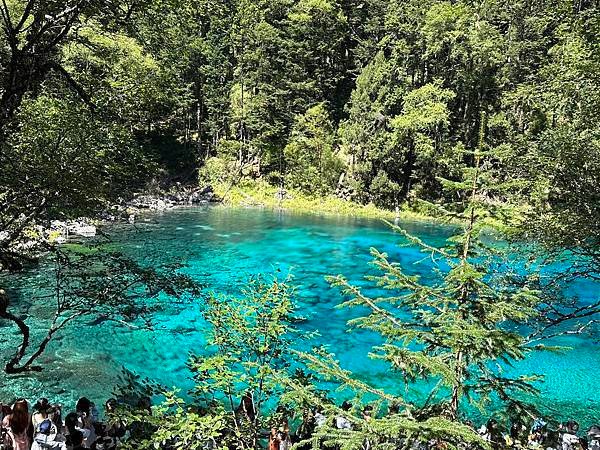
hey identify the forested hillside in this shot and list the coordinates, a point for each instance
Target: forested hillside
(372, 100)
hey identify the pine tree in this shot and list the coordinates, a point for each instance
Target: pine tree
(458, 331)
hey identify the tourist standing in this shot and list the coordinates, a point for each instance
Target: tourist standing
(594, 438)
(48, 433)
(17, 425)
(341, 421)
(569, 439)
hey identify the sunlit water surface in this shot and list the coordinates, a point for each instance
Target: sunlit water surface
(221, 248)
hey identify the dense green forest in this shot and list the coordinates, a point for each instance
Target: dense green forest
(370, 100)
(477, 112)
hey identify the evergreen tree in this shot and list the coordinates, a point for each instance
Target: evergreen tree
(366, 135)
(240, 380)
(311, 162)
(458, 331)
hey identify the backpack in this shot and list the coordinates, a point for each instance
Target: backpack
(45, 427)
(45, 434)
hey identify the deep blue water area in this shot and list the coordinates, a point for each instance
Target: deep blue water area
(222, 248)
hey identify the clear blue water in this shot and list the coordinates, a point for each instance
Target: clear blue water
(222, 247)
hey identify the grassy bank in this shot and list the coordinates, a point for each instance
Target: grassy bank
(262, 194)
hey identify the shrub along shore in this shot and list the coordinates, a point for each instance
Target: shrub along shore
(262, 194)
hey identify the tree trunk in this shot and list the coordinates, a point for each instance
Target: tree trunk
(13, 364)
(408, 172)
(199, 122)
(456, 389)
(21, 78)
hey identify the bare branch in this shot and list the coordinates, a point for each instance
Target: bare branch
(74, 85)
(25, 16)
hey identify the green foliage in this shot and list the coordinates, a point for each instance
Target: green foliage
(250, 337)
(219, 171)
(564, 160)
(85, 151)
(312, 165)
(385, 103)
(126, 81)
(238, 380)
(456, 331)
(262, 194)
(366, 135)
(63, 162)
(419, 130)
(398, 87)
(174, 424)
(397, 425)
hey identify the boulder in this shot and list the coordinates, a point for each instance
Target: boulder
(80, 228)
(202, 195)
(176, 196)
(149, 202)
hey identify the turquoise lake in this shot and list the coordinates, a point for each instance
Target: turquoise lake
(221, 248)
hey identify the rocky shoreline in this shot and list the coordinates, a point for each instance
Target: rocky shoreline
(177, 196)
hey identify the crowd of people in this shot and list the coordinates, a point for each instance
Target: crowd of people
(567, 436)
(42, 427)
(534, 434)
